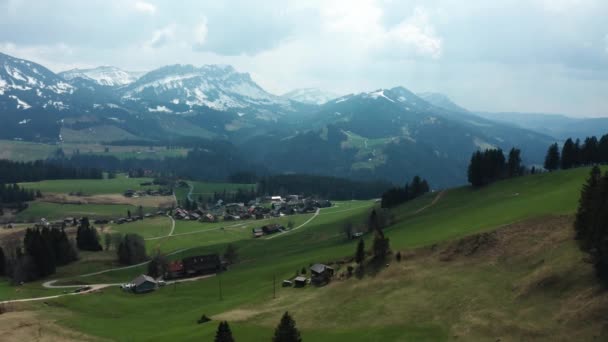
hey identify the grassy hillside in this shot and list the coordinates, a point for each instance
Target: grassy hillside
(54, 211)
(461, 278)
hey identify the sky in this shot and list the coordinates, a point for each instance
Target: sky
(548, 56)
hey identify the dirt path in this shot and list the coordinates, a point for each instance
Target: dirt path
(435, 200)
(298, 227)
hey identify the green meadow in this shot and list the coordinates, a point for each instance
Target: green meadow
(491, 296)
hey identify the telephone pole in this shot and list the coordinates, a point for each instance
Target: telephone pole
(219, 278)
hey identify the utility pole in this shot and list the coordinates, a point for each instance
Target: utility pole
(219, 278)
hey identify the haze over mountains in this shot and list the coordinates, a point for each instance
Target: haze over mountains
(385, 133)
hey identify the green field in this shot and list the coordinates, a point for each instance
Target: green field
(54, 211)
(511, 293)
(117, 185)
(148, 228)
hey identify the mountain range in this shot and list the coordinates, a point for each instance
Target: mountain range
(381, 134)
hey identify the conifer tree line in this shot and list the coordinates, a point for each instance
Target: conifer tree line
(87, 238)
(43, 250)
(591, 224)
(575, 154)
(490, 165)
(15, 172)
(398, 195)
(14, 194)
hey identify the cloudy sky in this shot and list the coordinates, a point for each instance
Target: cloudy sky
(499, 55)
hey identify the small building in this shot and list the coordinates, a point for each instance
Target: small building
(175, 269)
(257, 232)
(287, 283)
(321, 274)
(300, 281)
(143, 284)
(271, 228)
(129, 193)
(202, 264)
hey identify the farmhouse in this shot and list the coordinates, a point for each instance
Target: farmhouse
(321, 274)
(144, 283)
(202, 264)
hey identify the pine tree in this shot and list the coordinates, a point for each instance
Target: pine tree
(514, 167)
(552, 160)
(587, 201)
(360, 253)
(223, 334)
(2, 262)
(380, 247)
(569, 155)
(286, 331)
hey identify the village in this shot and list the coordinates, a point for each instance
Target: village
(259, 209)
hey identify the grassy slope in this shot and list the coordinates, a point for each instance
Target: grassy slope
(53, 211)
(249, 284)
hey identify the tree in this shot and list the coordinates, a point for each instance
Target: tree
(360, 253)
(590, 151)
(569, 155)
(380, 246)
(107, 241)
(132, 250)
(158, 265)
(116, 240)
(223, 333)
(591, 221)
(87, 238)
(514, 167)
(2, 262)
(372, 222)
(286, 331)
(552, 159)
(230, 254)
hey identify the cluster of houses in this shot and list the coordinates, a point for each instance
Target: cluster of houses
(186, 267)
(149, 192)
(132, 218)
(320, 274)
(267, 230)
(261, 208)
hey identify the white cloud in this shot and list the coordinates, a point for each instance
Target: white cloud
(200, 33)
(162, 37)
(416, 33)
(144, 7)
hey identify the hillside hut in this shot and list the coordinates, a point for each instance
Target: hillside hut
(321, 274)
(144, 283)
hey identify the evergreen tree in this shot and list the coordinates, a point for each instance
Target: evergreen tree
(603, 149)
(223, 334)
(2, 262)
(381, 246)
(132, 250)
(514, 167)
(569, 155)
(360, 253)
(591, 222)
(552, 160)
(590, 151)
(286, 331)
(158, 265)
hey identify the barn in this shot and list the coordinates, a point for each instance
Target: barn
(143, 284)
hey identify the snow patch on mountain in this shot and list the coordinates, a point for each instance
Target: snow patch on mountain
(310, 96)
(103, 75)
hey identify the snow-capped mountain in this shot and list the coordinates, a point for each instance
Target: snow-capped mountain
(103, 75)
(25, 85)
(310, 96)
(183, 88)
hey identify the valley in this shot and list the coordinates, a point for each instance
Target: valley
(493, 263)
